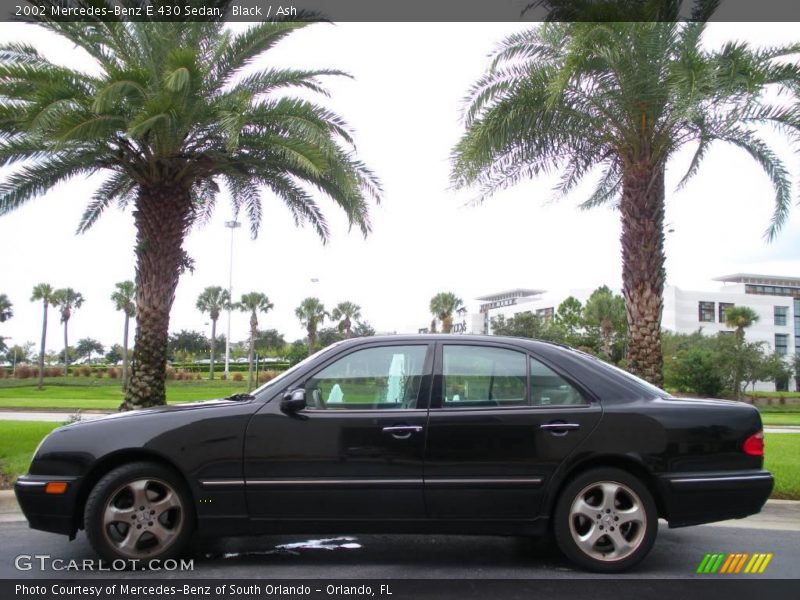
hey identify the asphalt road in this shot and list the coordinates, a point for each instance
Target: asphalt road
(676, 554)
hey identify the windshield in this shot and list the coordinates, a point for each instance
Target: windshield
(647, 386)
(277, 381)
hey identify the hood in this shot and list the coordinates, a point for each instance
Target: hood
(170, 408)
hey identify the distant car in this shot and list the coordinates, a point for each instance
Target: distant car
(425, 433)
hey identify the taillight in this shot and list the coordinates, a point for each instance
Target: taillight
(754, 445)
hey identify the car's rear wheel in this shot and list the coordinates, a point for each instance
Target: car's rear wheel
(140, 511)
(605, 520)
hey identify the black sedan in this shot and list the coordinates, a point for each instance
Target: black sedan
(439, 434)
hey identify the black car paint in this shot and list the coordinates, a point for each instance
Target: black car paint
(253, 468)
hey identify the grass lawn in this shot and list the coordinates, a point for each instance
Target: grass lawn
(69, 394)
(18, 440)
(780, 418)
(782, 458)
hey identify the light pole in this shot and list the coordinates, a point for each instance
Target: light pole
(232, 225)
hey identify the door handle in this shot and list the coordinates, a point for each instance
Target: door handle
(402, 432)
(559, 428)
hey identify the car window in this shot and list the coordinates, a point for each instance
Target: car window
(480, 376)
(373, 378)
(548, 388)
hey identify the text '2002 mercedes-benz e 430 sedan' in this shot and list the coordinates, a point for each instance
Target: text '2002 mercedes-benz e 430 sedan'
(425, 433)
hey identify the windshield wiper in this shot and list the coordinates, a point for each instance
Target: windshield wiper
(238, 397)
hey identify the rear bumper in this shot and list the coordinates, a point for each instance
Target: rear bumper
(47, 512)
(695, 498)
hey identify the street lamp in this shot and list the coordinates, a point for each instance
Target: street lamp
(232, 225)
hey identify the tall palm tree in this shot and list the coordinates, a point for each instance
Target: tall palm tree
(622, 99)
(740, 318)
(67, 300)
(254, 303)
(124, 299)
(346, 313)
(311, 313)
(213, 300)
(44, 293)
(6, 310)
(442, 306)
(171, 113)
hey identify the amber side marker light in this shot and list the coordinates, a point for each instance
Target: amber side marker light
(55, 487)
(754, 445)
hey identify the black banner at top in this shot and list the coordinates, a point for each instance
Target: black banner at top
(403, 10)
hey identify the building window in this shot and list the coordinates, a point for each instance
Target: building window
(546, 314)
(706, 312)
(782, 344)
(723, 306)
(781, 315)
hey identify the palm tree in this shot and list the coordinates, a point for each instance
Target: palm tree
(346, 313)
(213, 300)
(169, 114)
(67, 300)
(44, 293)
(442, 306)
(6, 311)
(622, 98)
(740, 318)
(311, 313)
(124, 299)
(254, 303)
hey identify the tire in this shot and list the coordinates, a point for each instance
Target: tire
(605, 520)
(139, 511)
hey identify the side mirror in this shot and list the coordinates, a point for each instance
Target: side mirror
(293, 401)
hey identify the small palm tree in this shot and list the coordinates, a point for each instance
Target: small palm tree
(740, 318)
(172, 113)
(6, 311)
(124, 299)
(311, 313)
(619, 99)
(44, 293)
(213, 300)
(346, 313)
(442, 306)
(254, 303)
(67, 300)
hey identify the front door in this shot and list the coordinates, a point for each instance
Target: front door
(356, 451)
(494, 435)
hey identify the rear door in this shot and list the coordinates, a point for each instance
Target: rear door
(501, 422)
(356, 451)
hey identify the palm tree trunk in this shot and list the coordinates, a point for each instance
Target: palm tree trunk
(66, 347)
(162, 218)
(447, 324)
(643, 273)
(44, 341)
(125, 354)
(253, 331)
(213, 339)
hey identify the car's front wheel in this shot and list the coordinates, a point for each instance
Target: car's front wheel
(140, 511)
(605, 520)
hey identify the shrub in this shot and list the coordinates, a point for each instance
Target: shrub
(23, 372)
(238, 377)
(170, 373)
(198, 376)
(223, 377)
(2, 373)
(52, 372)
(266, 376)
(75, 372)
(86, 371)
(113, 373)
(99, 373)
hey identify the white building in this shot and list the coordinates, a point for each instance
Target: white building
(776, 300)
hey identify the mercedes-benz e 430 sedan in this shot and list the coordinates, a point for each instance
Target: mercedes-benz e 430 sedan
(440, 434)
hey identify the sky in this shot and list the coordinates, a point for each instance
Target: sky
(404, 105)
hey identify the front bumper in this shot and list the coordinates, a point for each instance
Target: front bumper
(695, 498)
(48, 512)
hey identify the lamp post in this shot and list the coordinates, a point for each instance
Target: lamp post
(232, 225)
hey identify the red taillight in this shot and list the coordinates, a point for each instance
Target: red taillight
(754, 445)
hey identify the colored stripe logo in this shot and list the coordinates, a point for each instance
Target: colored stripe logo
(734, 563)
